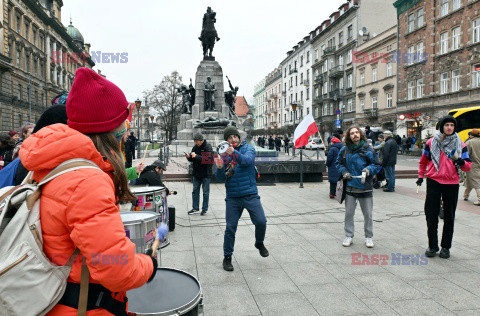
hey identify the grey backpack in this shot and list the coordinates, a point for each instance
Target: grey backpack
(29, 283)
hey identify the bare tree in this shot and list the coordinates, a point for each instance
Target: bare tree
(167, 101)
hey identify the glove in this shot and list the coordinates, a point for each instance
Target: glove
(419, 181)
(459, 162)
(347, 176)
(155, 265)
(367, 171)
(162, 231)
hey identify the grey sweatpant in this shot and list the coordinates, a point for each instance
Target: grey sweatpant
(366, 204)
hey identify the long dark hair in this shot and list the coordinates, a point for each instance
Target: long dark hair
(108, 146)
(348, 140)
(6, 142)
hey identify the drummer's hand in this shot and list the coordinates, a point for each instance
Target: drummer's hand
(139, 168)
(193, 155)
(219, 162)
(187, 155)
(162, 231)
(230, 150)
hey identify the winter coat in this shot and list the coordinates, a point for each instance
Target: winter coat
(389, 152)
(355, 162)
(278, 142)
(333, 174)
(202, 163)
(150, 177)
(271, 143)
(79, 209)
(473, 176)
(447, 173)
(6, 155)
(242, 182)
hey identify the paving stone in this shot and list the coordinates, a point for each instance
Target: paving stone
(284, 304)
(419, 307)
(308, 273)
(269, 281)
(228, 299)
(387, 287)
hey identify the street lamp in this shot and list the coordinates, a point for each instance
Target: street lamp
(138, 104)
(294, 108)
(151, 128)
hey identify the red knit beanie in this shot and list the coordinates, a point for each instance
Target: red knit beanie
(94, 104)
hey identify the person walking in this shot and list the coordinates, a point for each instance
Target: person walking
(354, 160)
(442, 155)
(271, 143)
(286, 142)
(333, 174)
(380, 176)
(134, 141)
(404, 143)
(389, 160)
(473, 176)
(278, 143)
(237, 169)
(202, 159)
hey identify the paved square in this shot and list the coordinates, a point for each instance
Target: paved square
(308, 271)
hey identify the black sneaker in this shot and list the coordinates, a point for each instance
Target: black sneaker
(444, 253)
(227, 263)
(431, 252)
(261, 248)
(204, 212)
(193, 211)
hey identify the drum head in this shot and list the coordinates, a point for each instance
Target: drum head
(222, 147)
(170, 290)
(137, 217)
(145, 189)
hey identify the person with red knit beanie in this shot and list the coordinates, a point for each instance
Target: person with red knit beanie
(80, 209)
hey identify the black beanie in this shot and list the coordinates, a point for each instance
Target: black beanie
(230, 130)
(447, 119)
(53, 115)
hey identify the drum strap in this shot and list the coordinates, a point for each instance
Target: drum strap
(98, 297)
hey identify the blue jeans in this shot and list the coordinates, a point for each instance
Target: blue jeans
(390, 175)
(234, 211)
(205, 182)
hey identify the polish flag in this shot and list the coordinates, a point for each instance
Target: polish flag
(304, 130)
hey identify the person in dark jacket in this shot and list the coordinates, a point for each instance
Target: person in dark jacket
(237, 169)
(129, 151)
(152, 175)
(286, 142)
(7, 144)
(271, 143)
(369, 134)
(333, 174)
(202, 158)
(389, 160)
(133, 140)
(278, 143)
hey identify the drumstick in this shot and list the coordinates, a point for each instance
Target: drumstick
(418, 188)
(155, 245)
(145, 153)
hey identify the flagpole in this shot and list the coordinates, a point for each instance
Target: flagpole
(301, 168)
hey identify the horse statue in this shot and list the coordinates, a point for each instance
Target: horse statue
(209, 33)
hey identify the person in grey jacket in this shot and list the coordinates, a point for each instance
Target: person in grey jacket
(389, 160)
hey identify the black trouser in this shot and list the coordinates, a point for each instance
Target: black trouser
(435, 193)
(333, 188)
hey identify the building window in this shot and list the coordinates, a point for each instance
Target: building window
(26, 30)
(331, 109)
(455, 80)
(27, 62)
(325, 66)
(332, 62)
(476, 76)
(340, 60)
(18, 58)
(444, 83)
(444, 9)
(349, 56)
(350, 32)
(340, 83)
(308, 94)
(456, 38)
(374, 74)
(316, 54)
(455, 5)
(420, 52)
(411, 22)
(308, 57)
(301, 61)
(476, 31)
(362, 104)
(411, 87)
(349, 80)
(19, 23)
(19, 95)
(444, 43)
(419, 88)
(340, 38)
(362, 78)
(349, 105)
(389, 69)
(389, 100)
(420, 18)
(411, 55)
(374, 102)
(34, 35)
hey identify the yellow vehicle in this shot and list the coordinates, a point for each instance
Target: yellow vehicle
(467, 119)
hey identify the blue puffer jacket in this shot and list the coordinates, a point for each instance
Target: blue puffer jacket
(242, 182)
(333, 174)
(355, 162)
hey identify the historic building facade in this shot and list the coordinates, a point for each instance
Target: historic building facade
(273, 89)
(259, 108)
(376, 81)
(38, 58)
(439, 70)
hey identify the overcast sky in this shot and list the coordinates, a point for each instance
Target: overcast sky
(161, 36)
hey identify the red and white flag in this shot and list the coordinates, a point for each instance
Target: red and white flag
(304, 130)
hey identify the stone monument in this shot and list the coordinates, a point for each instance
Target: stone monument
(209, 114)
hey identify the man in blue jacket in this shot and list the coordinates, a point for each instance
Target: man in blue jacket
(237, 169)
(353, 160)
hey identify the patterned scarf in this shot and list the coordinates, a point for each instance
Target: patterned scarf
(450, 143)
(231, 166)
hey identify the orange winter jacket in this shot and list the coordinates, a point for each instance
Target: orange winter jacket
(78, 209)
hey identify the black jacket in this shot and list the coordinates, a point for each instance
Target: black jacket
(389, 151)
(203, 162)
(151, 177)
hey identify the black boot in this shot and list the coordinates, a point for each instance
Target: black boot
(431, 252)
(444, 253)
(227, 263)
(261, 248)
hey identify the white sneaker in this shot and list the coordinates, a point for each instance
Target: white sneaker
(347, 242)
(369, 242)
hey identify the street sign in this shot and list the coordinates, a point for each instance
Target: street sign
(338, 122)
(337, 111)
